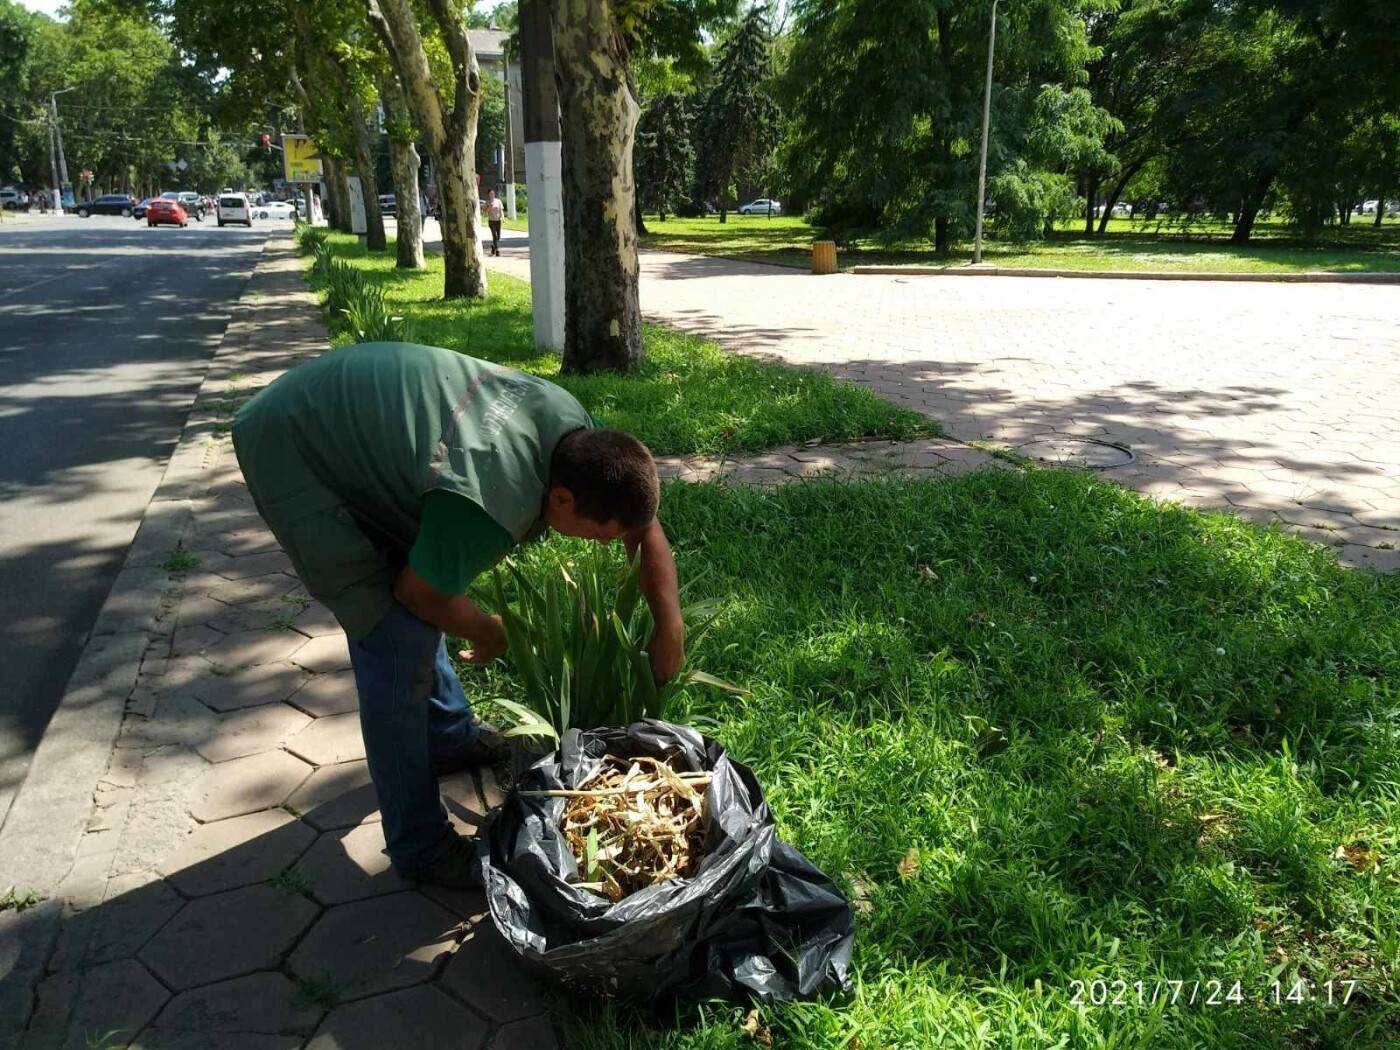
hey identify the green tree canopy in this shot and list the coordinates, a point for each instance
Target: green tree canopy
(885, 99)
(738, 126)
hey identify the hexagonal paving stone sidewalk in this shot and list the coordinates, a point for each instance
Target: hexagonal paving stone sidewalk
(233, 891)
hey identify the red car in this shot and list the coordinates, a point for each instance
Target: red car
(163, 212)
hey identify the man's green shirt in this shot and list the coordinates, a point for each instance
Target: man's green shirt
(341, 455)
(456, 543)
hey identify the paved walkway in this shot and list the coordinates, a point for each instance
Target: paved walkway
(1278, 401)
(229, 890)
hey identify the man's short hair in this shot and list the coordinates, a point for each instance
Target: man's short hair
(611, 475)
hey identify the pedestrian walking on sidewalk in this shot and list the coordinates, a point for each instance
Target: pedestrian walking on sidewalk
(494, 214)
(394, 474)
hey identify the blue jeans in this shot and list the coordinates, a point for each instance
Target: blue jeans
(412, 712)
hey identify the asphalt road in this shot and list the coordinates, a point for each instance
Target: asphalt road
(106, 330)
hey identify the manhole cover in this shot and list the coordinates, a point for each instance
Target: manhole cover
(1078, 452)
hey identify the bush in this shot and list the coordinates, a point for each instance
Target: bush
(322, 260)
(1029, 201)
(309, 240)
(356, 304)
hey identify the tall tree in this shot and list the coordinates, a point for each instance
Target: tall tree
(15, 33)
(403, 158)
(598, 115)
(739, 124)
(334, 48)
(446, 114)
(135, 108)
(491, 131)
(665, 154)
(1141, 51)
(884, 99)
(595, 43)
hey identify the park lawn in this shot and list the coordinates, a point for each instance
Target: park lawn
(1043, 730)
(691, 397)
(1127, 246)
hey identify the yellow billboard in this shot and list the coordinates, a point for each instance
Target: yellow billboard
(300, 160)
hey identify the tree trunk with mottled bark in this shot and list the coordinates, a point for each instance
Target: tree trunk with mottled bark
(449, 134)
(337, 206)
(598, 119)
(458, 216)
(403, 159)
(375, 239)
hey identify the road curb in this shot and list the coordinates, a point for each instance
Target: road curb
(44, 845)
(1130, 275)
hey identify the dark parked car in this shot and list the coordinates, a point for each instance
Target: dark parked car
(388, 205)
(107, 204)
(139, 212)
(192, 202)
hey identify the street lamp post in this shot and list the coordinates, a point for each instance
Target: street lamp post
(986, 123)
(510, 139)
(60, 174)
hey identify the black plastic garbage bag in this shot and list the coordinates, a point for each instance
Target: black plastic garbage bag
(756, 922)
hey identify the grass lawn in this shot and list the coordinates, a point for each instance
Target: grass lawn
(1126, 246)
(1045, 731)
(691, 396)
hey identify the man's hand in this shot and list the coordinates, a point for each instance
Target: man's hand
(667, 652)
(488, 642)
(453, 614)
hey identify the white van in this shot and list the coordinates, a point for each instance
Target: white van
(234, 207)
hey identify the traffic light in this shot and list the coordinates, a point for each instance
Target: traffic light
(266, 140)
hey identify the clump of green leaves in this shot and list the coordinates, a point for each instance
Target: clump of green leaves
(578, 640)
(18, 900)
(180, 560)
(321, 991)
(309, 239)
(292, 881)
(357, 304)
(321, 259)
(370, 320)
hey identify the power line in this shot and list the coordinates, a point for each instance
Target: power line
(23, 120)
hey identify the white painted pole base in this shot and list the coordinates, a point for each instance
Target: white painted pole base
(510, 201)
(544, 182)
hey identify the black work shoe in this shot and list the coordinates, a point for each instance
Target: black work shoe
(456, 869)
(488, 749)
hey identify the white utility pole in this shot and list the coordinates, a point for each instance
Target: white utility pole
(543, 173)
(61, 172)
(510, 139)
(986, 122)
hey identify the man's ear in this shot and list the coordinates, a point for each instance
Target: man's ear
(561, 499)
